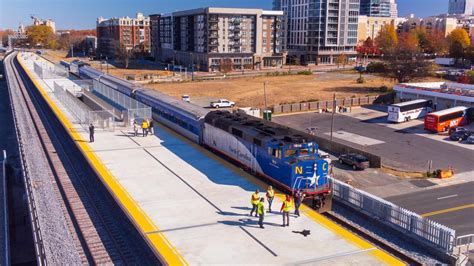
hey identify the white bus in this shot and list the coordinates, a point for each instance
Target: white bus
(405, 111)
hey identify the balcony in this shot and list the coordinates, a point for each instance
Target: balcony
(213, 36)
(213, 19)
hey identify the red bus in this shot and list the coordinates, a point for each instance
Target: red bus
(443, 120)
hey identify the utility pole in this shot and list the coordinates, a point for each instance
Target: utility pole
(265, 94)
(333, 113)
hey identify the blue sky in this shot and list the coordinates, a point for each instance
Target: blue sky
(81, 14)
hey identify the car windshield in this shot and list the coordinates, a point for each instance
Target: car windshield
(360, 158)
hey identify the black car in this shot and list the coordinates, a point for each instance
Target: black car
(357, 161)
(460, 135)
(466, 135)
(453, 130)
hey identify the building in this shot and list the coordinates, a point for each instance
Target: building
(90, 44)
(443, 23)
(375, 8)
(461, 7)
(393, 9)
(319, 31)
(47, 22)
(220, 39)
(155, 45)
(131, 33)
(371, 26)
(443, 94)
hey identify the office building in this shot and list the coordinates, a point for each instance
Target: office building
(211, 39)
(318, 31)
(375, 8)
(393, 9)
(127, 32)
(47, 22)
(461, 7)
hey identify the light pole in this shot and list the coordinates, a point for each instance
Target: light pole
(192, 67)
(265, 99)
(333, 113)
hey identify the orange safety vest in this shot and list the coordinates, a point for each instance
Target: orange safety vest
(286, 206)
(255, 198)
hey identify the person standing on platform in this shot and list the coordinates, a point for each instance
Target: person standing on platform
(261, 212)
(135, 128)
(254, 200)
(91, 132)
(145, 127)
(285, 210)
(270, 196)
(298, 198)
(150, 127)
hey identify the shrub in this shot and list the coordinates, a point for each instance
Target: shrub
(384, 89)
(376, 67)
(305, 72)
(360, 80)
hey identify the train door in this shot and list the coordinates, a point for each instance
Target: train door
(254, 159)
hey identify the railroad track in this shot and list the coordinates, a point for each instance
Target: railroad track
(101, 231)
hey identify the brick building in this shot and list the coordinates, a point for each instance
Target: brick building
(129, 32)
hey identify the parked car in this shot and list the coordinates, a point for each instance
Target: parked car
(460, 135)
(470, 139)
(357, 161)
(456, 129)
(222, 103)
(186, 98)
(466, 135)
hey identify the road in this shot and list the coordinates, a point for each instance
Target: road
(452, 206)
(398, 148)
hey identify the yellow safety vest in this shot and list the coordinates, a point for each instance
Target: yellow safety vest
(270, 193)
(261, 208)
(255, 198)
(287, 206)
(145, 125)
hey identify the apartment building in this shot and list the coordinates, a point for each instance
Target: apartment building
(127, 32)
(445, 24)
(319, 31)
(210, 39)
(461, 7)
(369, 27)
(375, 8)
(393, 9)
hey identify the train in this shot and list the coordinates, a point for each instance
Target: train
(284, 157)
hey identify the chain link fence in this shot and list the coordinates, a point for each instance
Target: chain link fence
(132, 109)
(46, 70)
(402, 220)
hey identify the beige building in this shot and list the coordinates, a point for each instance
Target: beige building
(47, 22)
(371, 26)
(439, 23)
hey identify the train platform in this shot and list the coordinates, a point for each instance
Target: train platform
(193, 208)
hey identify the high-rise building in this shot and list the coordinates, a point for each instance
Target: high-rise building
(393, 9)
(212, 39)
(461, 7)
(127, 32)
(318, 31)
(375, 8)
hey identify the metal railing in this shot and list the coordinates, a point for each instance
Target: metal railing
(5, 253)
(407, 222)
(46, 70)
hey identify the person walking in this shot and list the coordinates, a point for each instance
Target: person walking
(254, 200)
(270, 196)
(261, 212)
(298, 198)
(91, 132)
(150, 127)
(135, 128)
(285, 210)
(145, 127)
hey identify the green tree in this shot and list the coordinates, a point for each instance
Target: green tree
(387, 39)
(41, 36)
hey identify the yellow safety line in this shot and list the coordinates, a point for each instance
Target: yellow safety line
(347, 235)
(448, 210)
(158, 241)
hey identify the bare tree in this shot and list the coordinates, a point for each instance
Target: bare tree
(123, 54)
(225, 65)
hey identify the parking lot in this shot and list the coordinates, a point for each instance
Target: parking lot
(403, 147)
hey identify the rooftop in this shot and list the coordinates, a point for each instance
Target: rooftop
(446, 88)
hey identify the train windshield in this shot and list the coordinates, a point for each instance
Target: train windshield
(299, 152)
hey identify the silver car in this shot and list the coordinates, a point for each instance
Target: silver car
(470, 139)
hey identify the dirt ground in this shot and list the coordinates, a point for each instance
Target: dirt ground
(248, 92)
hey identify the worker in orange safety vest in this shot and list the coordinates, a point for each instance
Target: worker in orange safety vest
(255, 199)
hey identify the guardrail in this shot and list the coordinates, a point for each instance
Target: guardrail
(420, 229)
(5, 258)
(465, 240)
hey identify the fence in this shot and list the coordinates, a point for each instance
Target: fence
(84, 116)
(4, 251)
(313, 106)
(46, 70)
(402, 220)
(132, 109)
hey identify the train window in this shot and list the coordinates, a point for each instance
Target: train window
(274, 152)
(303, 151)
(289, 153)
(237, 132)
(257, 142)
